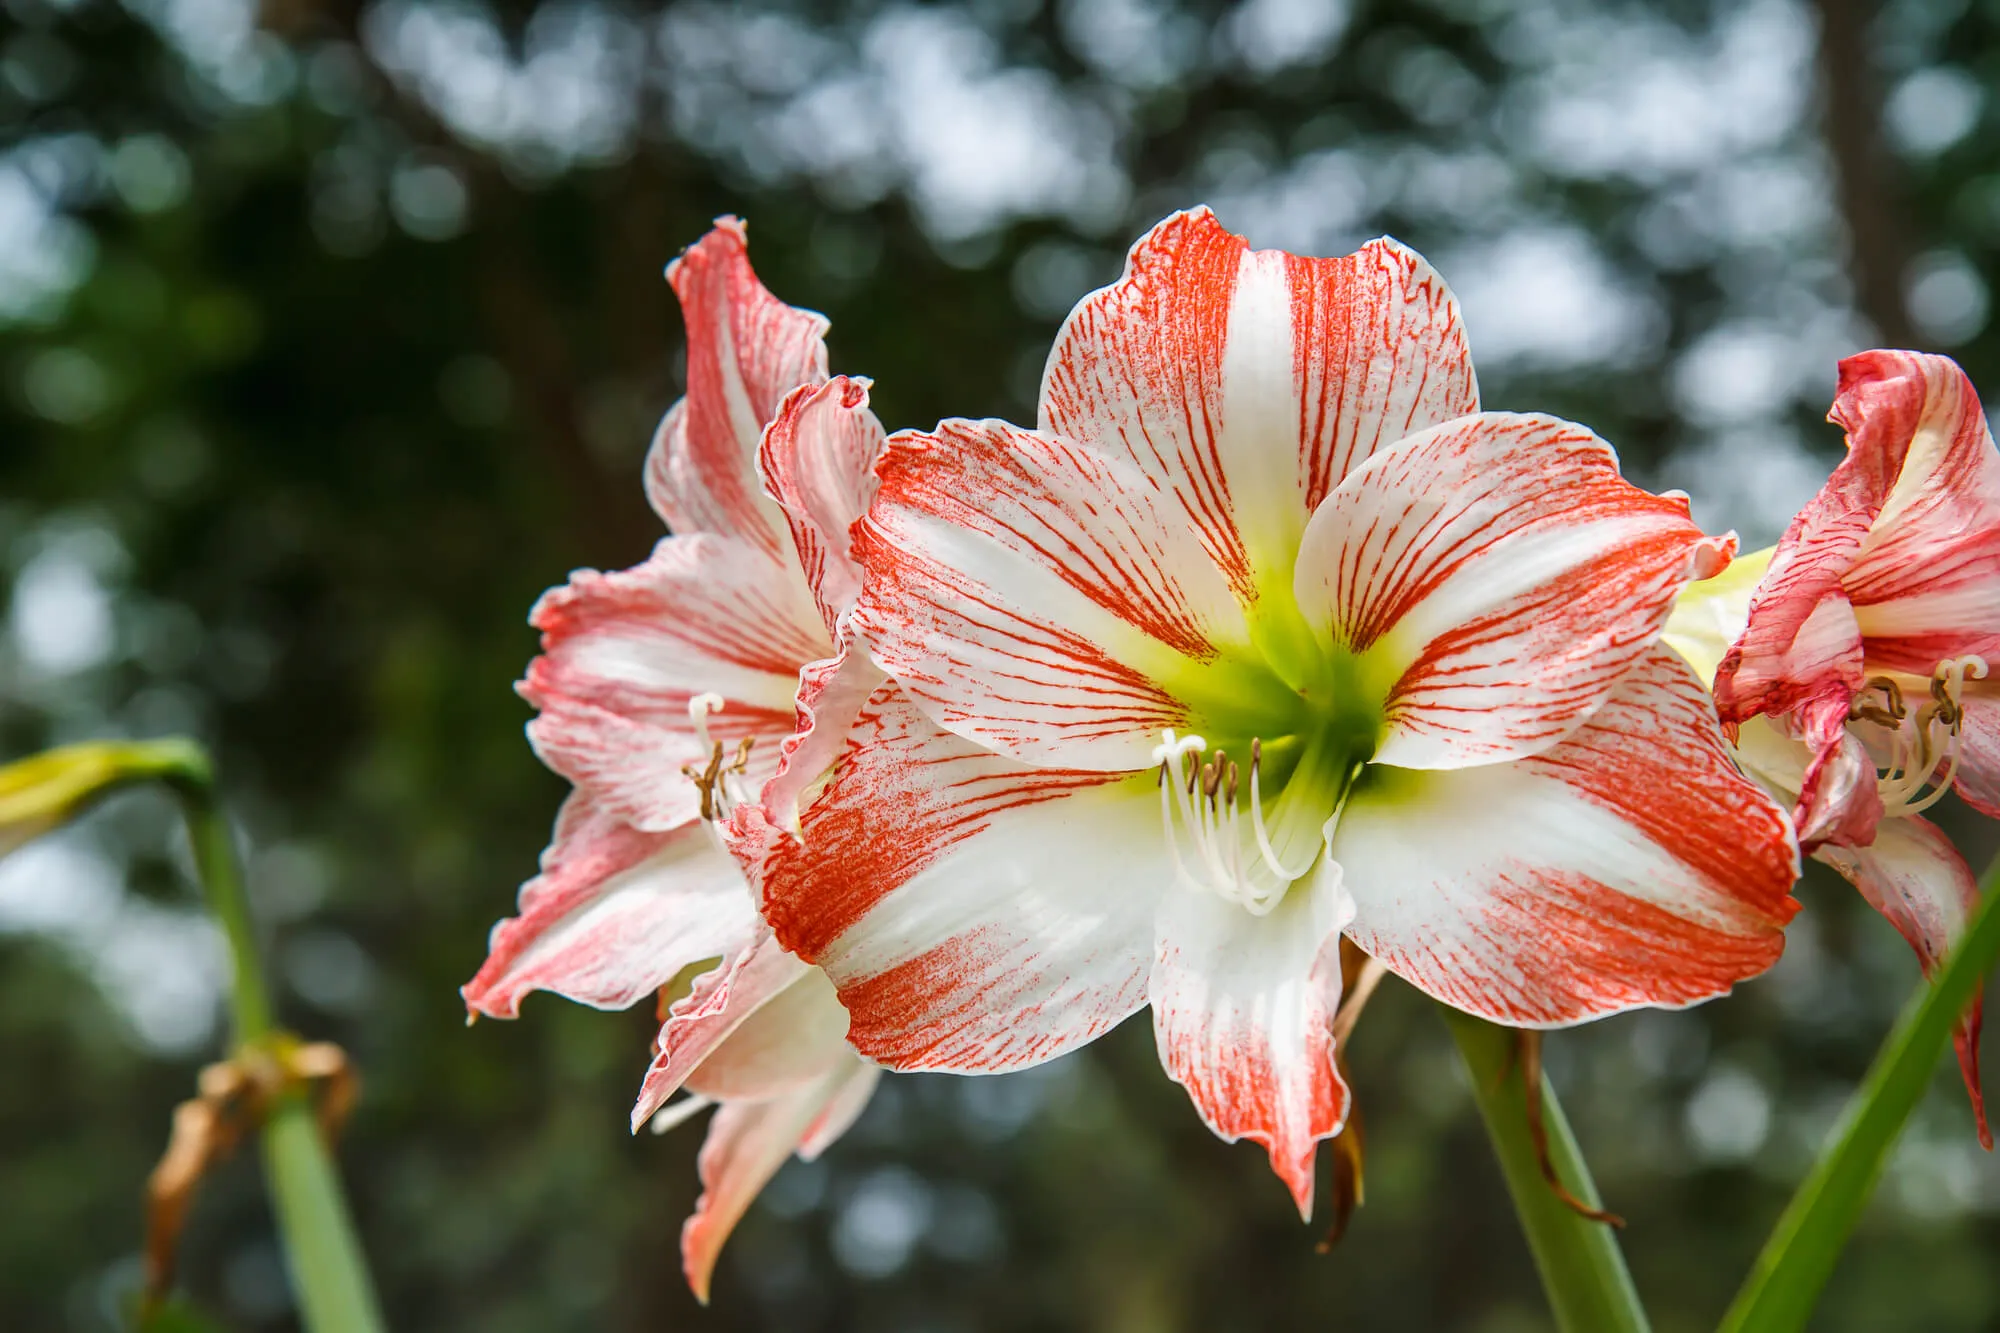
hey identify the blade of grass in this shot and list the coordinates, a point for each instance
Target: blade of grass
(1785, 1284)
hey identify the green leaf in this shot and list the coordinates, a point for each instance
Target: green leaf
(1785, 1284)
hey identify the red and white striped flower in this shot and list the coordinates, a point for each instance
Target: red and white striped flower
(1265, 635)
(712, 676)
(1859, 671)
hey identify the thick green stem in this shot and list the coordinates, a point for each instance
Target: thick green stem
(1785, 1284)
(1582, 1268)
(328, 1269)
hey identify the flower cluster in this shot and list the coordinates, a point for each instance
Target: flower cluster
(1264, 651)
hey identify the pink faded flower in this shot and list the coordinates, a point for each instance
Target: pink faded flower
(1859, 678)
(712, 676)
(1267, 635)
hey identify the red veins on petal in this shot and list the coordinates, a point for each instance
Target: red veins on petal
(1205, 355)
(746, 350)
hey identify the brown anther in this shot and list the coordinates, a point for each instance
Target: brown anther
(1193, 777)
(741, 764)
(1530, 1053)
(1162, 780)
(1209, 779)
(707, 781)
(1256, 753)
(1229, 788)
(1947, 708)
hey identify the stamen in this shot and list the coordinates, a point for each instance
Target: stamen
(1920, 759)
(721, 781)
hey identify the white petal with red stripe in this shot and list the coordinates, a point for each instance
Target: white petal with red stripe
(614, 915)
(1631, 864)
(818, 462)
(1912, 875)
(1247, 383)
(745, 351)
(1500, 572)
(1243, 1012)
(1035, 594)
(625, 653)
(977, 915)
(721, 1002)
(746, 1144)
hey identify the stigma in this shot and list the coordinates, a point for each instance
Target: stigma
(722, 781)
(1924, 746)
(1203, 801)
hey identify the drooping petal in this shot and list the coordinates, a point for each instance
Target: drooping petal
(747, 1142)
(818, 462)
(1631, 864)
(1248, 383)
(614, 915)
(1502, 575)
(840, 1113)
(1912, 875)
(976, 915)
(746, 350)
(1243, 1010)
(1839, 798)
(786, 1042)
(624, 653)
(701, 1022)
(1036, 595)
(1901, 547)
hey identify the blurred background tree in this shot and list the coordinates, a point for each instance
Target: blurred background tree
(331, 333)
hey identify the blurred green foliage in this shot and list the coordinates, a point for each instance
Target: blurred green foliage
(330, 334)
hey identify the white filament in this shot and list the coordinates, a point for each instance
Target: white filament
(1214, 825)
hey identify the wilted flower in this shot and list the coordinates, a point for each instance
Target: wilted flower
(1267, 635)
(672, 693)
(1857, 675)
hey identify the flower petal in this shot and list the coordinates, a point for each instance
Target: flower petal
(1629, 865)
(746, 350)
(1912, 875)
(832, 694)
(1243, 1012)
(1248, 383)
(786, 1041)
(1901, 547)
(614, 915)
(977, 915)
(624, 653)
(747, 1142)
(1978, 776)
(723, 1001)
(1503, 575)
(840, 1113)
(1925, 583)
(818, 462)
(1033, 594)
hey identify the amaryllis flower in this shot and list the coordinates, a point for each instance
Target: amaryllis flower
(1265, 635)
(671, 693)
(1859, 675)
